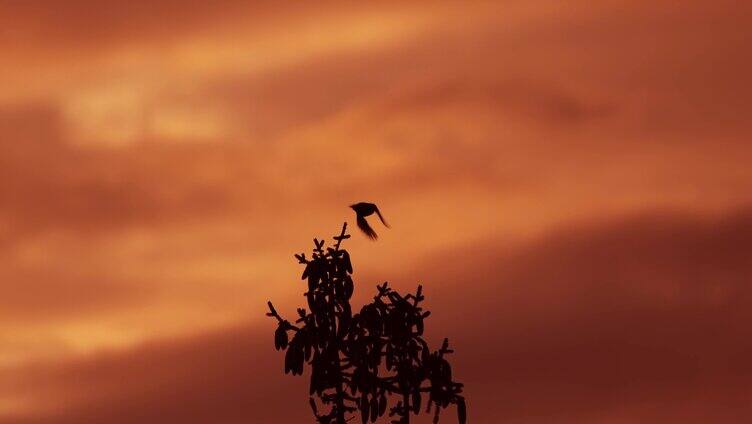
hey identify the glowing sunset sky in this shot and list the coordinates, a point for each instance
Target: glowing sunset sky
(581, 168)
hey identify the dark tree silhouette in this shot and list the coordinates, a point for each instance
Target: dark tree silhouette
(359, 361)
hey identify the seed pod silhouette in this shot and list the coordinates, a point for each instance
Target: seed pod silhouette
(461, 411)
(337, 290)
(313, 273)
(419, 326)
(345, 321)
(308, 345)
(288, 361)
(298, 370)
(382, 404)
(313, 387)
(374, 408)
(311, 301)
(364, 405)
(280, 337)
(294, 357)
(343, 263)
(354, 382)
(374, 358)
(416, 401)
(348, 288)
(425, 354)
(446, 370)
(389, 357)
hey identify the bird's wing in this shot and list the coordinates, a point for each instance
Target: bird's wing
(381, 217)
(363, 225)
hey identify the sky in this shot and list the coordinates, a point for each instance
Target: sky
(569, 181)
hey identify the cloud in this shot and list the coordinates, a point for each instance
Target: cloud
(48, 185)
(638, 320)
(42, 293)
(507, 122)
(225, 377)
(83, 22)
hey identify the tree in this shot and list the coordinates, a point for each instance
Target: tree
(360, 361)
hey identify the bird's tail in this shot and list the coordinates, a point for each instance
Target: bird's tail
(363, 225)
(382, 218)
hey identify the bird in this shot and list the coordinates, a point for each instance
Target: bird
(362, 210)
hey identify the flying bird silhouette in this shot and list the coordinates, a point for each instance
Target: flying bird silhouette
(362, 210)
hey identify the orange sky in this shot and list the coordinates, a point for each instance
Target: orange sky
(582, 168)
